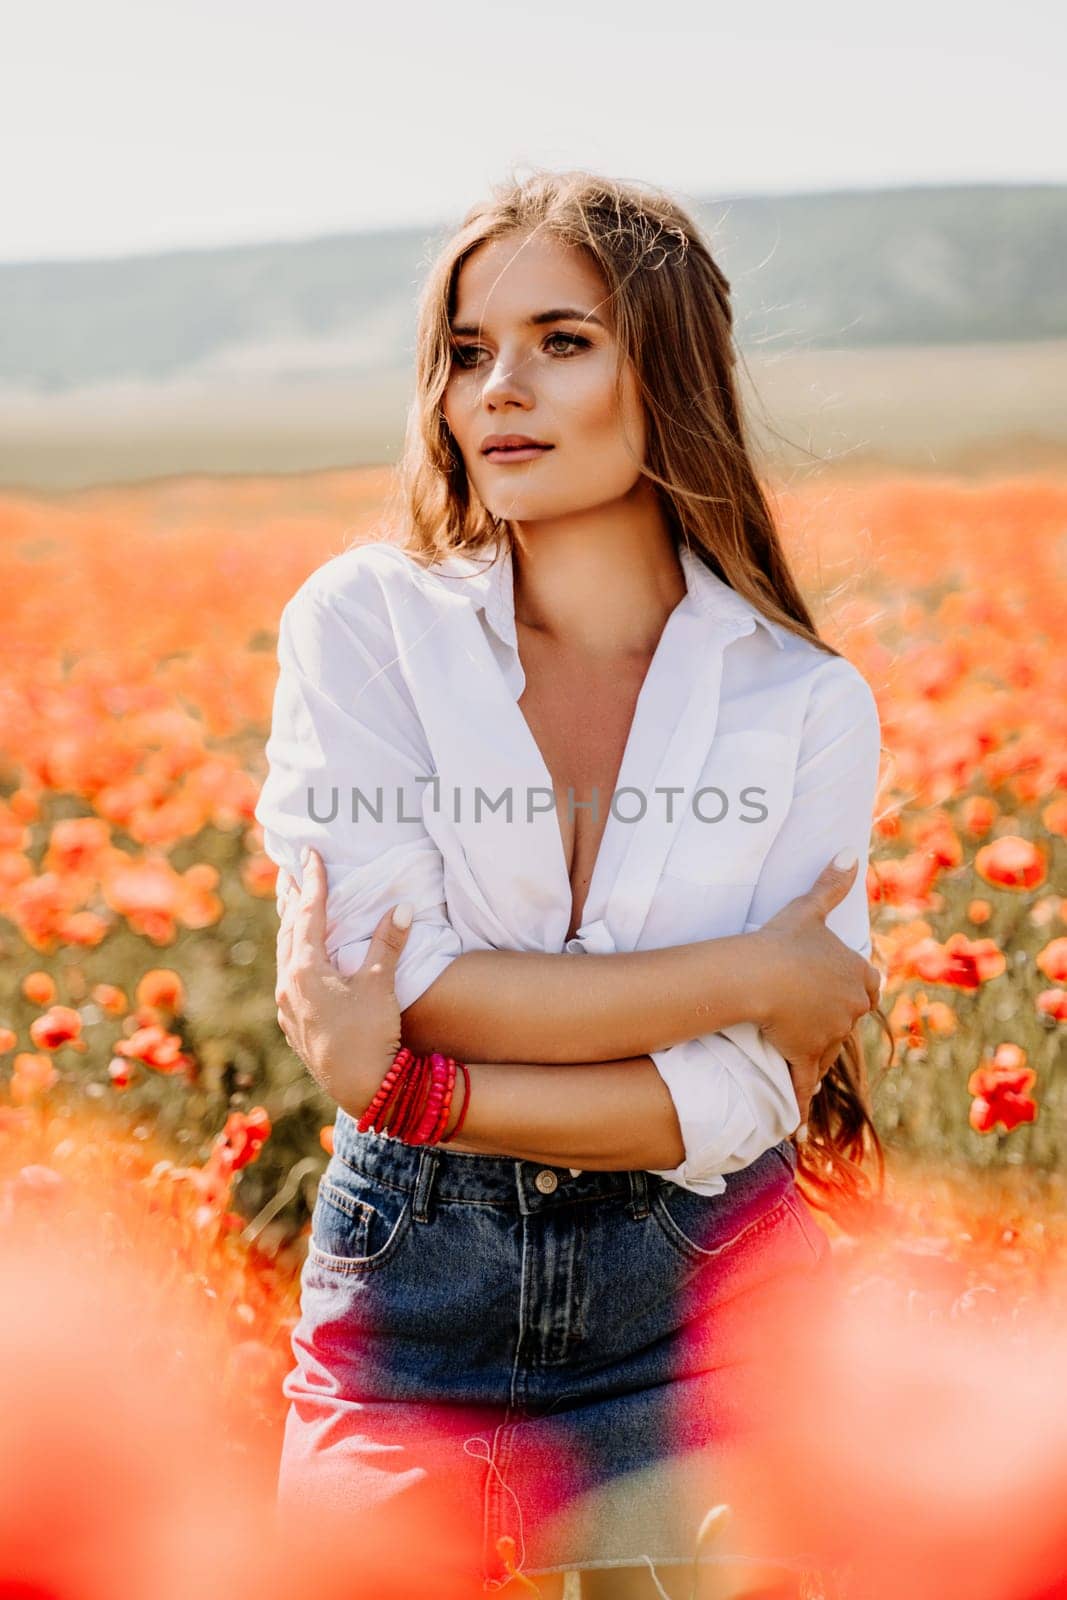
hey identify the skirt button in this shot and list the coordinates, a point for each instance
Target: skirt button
(546, 1180)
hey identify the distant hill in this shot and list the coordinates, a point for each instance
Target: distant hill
(844, 270)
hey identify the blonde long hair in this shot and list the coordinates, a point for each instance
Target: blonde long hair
(671, 306)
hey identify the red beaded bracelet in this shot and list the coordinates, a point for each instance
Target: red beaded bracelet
(400, 1060)
(431, 1113)
(405, 1101)
(447, 1069)
(416, 1100)
(413, 1102)
(463, 1109)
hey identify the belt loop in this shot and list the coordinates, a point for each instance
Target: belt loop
(422, 1209)
(638, 1204)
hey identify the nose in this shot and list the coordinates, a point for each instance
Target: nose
(502, 387)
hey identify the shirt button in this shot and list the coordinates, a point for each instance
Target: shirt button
(546, 1181)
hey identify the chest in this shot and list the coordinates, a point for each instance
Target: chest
(699, 739)
(580, 716)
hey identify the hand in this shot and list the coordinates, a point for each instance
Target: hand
(345, 1030)
(818, 986)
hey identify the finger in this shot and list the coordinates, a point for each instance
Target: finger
(283, 972)
(286, 1020)
(874, 979)
(804, 1076)
(388, 940)
(309, 913)
(288, 901)
(285, 933)
(834, 881)
(283, 888)
(284, 957)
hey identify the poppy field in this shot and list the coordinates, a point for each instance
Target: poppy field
(160, 1146)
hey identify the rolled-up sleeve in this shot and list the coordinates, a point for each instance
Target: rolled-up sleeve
(732, 1090)
(344, 754)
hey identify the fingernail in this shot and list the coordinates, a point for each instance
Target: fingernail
(402, 914)
(845, 859)
(305, 855)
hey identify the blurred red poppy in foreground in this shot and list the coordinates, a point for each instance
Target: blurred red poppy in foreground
(918, 1457)
(125, 1469)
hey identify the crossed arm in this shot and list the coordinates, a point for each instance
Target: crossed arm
(609, 1047)
(587, 1094)
(637, 1036)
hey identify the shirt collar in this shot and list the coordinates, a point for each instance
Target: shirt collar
(490, 586)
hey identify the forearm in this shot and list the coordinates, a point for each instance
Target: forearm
(605, 1115)
(494, 1005)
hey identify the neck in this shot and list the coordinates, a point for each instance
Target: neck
(601, 583)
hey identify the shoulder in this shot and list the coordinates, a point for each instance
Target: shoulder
(821, 677)
(373, 601)
(809, 692)
(841, 709)
(359, 578)
(809, 679)
(373, 590)
(835, 680)
(347, 610)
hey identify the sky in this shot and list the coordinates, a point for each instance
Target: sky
(129, 127)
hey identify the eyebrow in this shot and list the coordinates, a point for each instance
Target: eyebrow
(559, 314)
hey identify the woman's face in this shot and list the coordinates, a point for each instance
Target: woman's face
(551, 379)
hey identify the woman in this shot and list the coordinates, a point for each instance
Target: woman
(555, 1314)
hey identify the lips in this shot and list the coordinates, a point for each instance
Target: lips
(526, 453)
(513, 457)
(512, 450)
(506, 443)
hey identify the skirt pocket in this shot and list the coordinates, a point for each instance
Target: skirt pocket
(357, 1225)
(702, 1228)
(813, 1235)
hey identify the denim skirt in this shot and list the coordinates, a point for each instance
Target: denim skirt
(552, 1357)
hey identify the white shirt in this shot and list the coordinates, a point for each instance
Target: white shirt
(397, 701)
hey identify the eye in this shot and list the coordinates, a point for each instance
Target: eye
(574, 341)
(465, 355)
